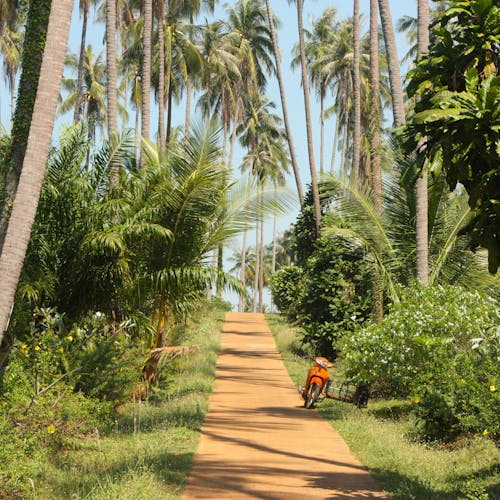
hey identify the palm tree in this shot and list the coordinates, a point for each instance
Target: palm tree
(37, 148)
(307, 107)
(393, 61)
(356, 95)
(421, 186)
(277, 62)
(111, 69)
(35, 34)
(147, 10)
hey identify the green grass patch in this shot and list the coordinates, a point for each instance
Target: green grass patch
(148, 452)
(383, 438)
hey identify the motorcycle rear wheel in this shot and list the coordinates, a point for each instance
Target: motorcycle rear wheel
(312, 395)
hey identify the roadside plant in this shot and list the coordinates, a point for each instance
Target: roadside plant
(439, 347)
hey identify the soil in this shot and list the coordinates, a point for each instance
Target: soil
(258, 441)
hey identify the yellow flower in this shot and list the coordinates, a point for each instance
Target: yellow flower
(51, 428)
(69, 337)
(61, 349)
(485, 432)
(462, 381)
(492, 388)
(24, 346)
(37, 348)
(417, 400)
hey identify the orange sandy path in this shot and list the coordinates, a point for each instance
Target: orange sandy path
(257, 440)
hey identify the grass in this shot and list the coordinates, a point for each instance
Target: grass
(384, 438)
(148, 453)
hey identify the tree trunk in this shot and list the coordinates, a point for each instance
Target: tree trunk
(111, 71)
(187, 122)
(34, 42)
(146, 72)
(261, 258)
(356, 97)
(335, 144)
(393, 62)
(243, 270)
(256, 269)
(161, 79)
(310, 147)
(81, 60)
(376, 179)
(322, 132)
(286, 119)
(37, 149)
(421, 187)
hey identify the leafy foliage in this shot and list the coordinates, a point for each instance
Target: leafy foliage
(457, 117)
(439, 345)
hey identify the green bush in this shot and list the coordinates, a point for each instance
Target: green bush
(286, 290)
(439, 345)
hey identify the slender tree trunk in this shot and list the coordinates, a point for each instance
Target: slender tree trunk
(356, 97)
(376, 180)
(261, 258)
(421, 187)
(137, 132)
(322, 133)
(257, 268)
(310, 146)
(243, 270)
(393, 62)
(35, 158)
(335, 144)
(111, 70)
(284, 107)
(81, 60)
(345, 145)
(34, 42)
(169, 111)
(12, 84)
(146, 72)
(161, 79)
(187, 121)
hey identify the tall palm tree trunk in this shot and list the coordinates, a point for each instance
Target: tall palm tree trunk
(356, 98)
(421, 187)
(34, 42)
(111, 70)
(35, 158)
(257, 268)
(295, 165)
(307, 107)
(243, 270)
(335, 145)
(81, 60)
(322, 132)
(146, 72)
(161, 78)
(376, 180)
(261, 258)
(393, 62)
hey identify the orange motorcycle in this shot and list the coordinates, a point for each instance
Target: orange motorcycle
(317, 378)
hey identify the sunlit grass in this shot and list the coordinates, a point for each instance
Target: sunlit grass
(383, 437)
(148, 453)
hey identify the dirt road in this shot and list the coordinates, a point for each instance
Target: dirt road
(257, 440)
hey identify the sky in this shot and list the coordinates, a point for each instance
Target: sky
(295, 101)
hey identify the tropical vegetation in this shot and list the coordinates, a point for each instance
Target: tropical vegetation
(118, 219)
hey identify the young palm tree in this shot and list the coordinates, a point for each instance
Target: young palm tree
(284, 107)
(11, 43)
(42, 122)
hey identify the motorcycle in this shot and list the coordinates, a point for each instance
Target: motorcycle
(316, 381)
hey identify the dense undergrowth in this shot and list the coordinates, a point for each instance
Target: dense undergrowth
(387, 438)
(67, 444)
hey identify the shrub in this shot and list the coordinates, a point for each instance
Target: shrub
(286, 290)
(440, 346)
